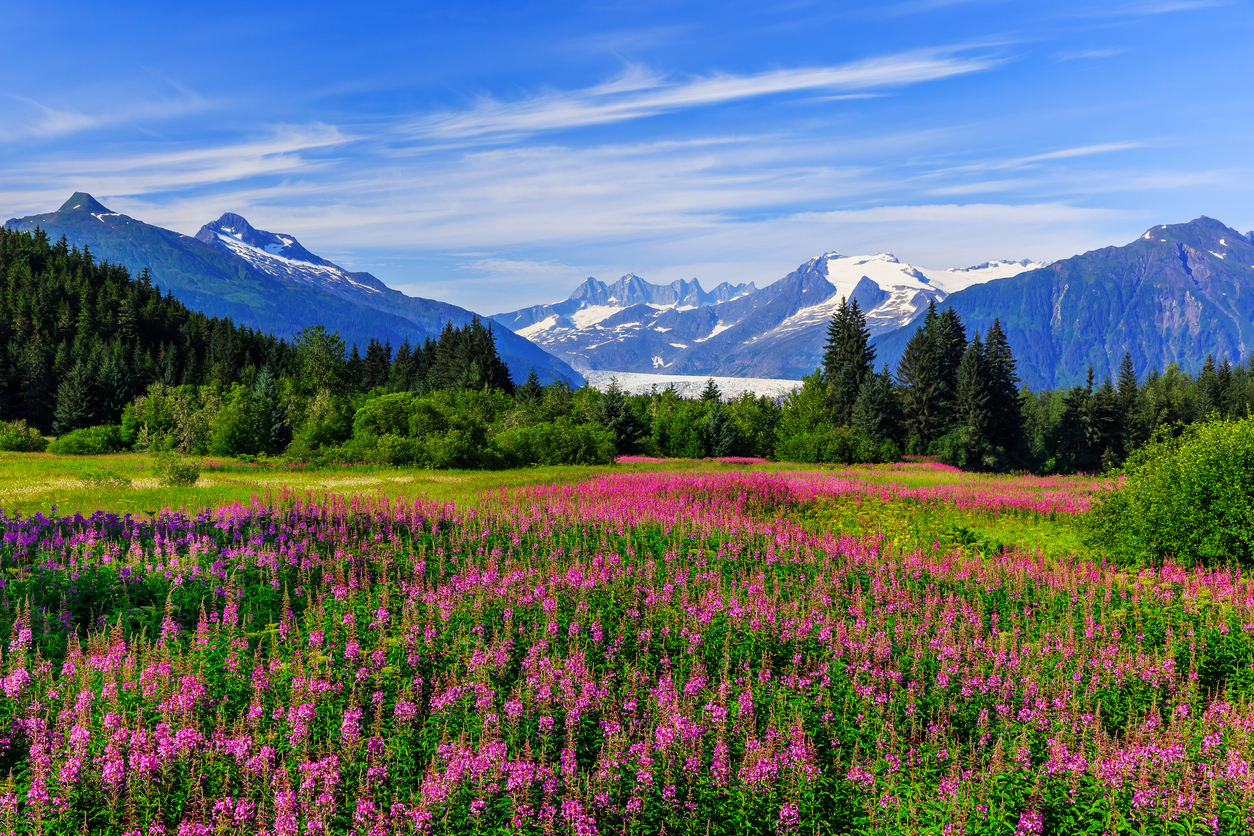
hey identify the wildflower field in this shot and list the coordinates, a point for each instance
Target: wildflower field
(709, 650)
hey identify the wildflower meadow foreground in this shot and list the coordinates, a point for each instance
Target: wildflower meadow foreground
(642, 652)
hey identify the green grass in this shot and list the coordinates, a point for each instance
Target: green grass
(907, 523)
(36, 482)
(31, 482)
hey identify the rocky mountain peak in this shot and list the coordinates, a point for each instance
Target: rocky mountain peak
(83, 202)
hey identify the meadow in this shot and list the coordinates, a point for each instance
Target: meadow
(681, 647)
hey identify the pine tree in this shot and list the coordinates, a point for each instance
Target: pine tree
(947, 337)
(532, 391)
(613, 411)
(972, 449)
(377, 364)
(711, 392)
(1005, 412)
(1128, 391)
(877, 412)
(74, 408)
(916, 375)
(275, 432)
(1208, 396)
(848, 359)
(399, 376)
(721, 438)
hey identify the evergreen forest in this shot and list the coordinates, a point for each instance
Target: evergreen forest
(104, 362)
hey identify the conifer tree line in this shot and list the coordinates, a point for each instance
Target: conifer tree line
(956, 396)
(106, 362)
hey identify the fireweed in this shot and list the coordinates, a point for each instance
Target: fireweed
(635, 652)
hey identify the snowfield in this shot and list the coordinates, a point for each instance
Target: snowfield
(690, 386)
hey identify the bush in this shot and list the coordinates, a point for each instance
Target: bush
(836, 445)
(1189, 497)
(559, 442)
(174, 470)
(92, 441)
(16, 437)
(104, 478)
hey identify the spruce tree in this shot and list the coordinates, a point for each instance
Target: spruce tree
(532, 391)
(916, 375)
(1207, 387)
(1005, 412)
(399, 378)
(972, 449)
(877, 412)
(1128, 391)
(848, 359)
(948, 339)
(613, 411)
(74, 408)
(274, 431)
(377, 364)
(711, 392)
(721, 438)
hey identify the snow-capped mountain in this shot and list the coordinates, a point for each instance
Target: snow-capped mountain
(282, 255)
(738, 330)
(594, 301)
(270, 282)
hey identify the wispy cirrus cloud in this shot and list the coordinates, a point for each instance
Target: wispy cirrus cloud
(640, 93)
(36, 120)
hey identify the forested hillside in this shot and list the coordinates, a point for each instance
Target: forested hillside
(106, 362)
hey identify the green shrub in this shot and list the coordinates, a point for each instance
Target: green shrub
(174, 470)
(104, 478)
(836, 445)
(91, 441)
(1189, 497)
(16, 437)
(559, 442)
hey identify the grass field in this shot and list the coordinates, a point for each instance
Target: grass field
(694, 647)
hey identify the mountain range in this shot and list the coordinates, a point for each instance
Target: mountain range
(736, 330)
(1178, 293)
(270, 282)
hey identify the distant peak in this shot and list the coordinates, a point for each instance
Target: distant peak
(231, 223)
(83, 202)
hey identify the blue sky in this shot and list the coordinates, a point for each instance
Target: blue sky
(493, 155)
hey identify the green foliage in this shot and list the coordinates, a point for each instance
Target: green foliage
(90, 441)
(104, 477)
(560, 442)
(677, 427)
(839, 445)
(848, 359)
(16, 437)
(176, 470)
(614, 412)
(237, 427)
(1189, 497)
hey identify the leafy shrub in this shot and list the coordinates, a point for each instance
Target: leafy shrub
(1189, 497)
(836, 445)
(104, 478)
(16, 437)
(91, 441)
(558, 442)
(174, 470)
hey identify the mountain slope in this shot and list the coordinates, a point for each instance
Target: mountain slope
(270, 282)
(1178, 293)
(736, 330)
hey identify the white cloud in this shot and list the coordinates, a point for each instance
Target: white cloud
(43, 121)
(639, 93)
